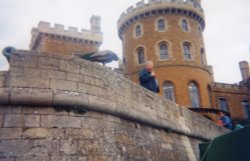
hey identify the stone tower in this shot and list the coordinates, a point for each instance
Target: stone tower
(59, 40)
(170, 33)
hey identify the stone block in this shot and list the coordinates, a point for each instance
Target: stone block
(2, 78)
(23, 60)
(69, 66)
(31, 96)
(31, 120)
(10, 109)
(10, 133)
(63, 85)
(13, 120)
(60, 121)
(28, 82)
(4, 95)
(53, 74)
(79, 134)
(48, 63)
(15, 148)
(74, 99)
(68, 147)
(74, 77)
(42, 133)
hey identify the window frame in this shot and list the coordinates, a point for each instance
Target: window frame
(194, 94)
(141, 59)
(166, 54)
(169, 91)
(187, 54)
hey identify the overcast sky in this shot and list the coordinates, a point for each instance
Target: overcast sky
(227, 32)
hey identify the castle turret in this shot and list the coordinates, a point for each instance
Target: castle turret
(95, 22)
(170, 33)
(57, 39)
(244, 68)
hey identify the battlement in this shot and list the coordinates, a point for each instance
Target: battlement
(142, 4)
(94, 35)
(190, 8)
(226, 86)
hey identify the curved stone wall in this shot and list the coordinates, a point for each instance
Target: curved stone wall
(62, 108)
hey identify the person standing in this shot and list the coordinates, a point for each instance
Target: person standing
(226, 121)
(147, 78)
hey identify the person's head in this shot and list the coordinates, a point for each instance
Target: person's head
(221, 114)
(149, 65)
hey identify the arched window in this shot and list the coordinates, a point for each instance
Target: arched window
(184, 25)
(163, 48)
(168, 91)
(138, 30)
(161, 25)
(187, 51)
(194, 94)
(246, 107)
(224, 104)
(140, 55)
(203, 60)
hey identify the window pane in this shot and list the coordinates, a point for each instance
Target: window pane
(224, 104)
(186, 50)
(202, 57)
(164, 51)
(141, 57)
(138, 30)
(168, 91)
(184, 25)
(246, 107)
(161, 25)
(194, 95)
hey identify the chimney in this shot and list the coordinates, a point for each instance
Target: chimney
(244, 68)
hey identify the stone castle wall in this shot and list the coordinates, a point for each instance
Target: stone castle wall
(62, 108)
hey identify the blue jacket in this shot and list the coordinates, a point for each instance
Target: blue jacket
(148, 81)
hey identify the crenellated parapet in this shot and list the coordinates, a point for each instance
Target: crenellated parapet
(229, 87)
(189, 8)
(93, 36)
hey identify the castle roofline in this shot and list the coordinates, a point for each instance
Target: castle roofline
(189, 8)
(59, 29)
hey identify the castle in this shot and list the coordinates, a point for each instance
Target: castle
(170, 33)
(55, 106)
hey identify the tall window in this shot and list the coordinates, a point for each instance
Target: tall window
(203, 60)
(194, 94)
(187, 51)
(140, 55)
(138, 30)
(161, 25)
(224, 104)
(246, 107)
(163, 48)
(184, 25)
(168, 91)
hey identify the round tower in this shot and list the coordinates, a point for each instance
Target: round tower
(169, 33)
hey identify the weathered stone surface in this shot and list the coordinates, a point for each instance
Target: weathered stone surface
(60, 121)
(63, 85)
(4, 95)
(35, 96)
(66, 98)
(74, 77)
(31, 120)
(2, 81)
(69, 66)
(68, 147)
(13, 120)
(48, 63)
(53, 74)
(10, 133)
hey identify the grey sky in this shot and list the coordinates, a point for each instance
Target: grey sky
(227, 32)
